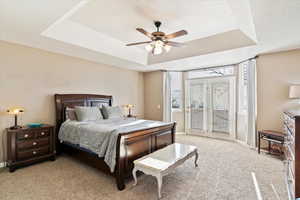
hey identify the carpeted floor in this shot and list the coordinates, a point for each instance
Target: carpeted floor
(224, 172)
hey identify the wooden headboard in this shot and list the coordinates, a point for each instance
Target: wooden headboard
(70, 100)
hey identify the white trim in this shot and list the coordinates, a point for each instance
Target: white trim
(65, 16)
(180, 133)
(167, 102)
(2, 164)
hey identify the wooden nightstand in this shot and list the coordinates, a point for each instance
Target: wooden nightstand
(26, 146)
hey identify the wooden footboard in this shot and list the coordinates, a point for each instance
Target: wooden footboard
(134, 145)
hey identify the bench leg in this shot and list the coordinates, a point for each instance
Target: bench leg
(159, 183)
(258, 143)
(134, 176)
(196, 158)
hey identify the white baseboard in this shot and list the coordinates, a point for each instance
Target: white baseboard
(180, 133)
(2, 164)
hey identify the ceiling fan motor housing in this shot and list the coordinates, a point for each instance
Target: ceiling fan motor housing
(158, 35)
(157, 24)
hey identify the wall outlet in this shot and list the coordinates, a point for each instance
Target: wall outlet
(158, 106)
(2, 164)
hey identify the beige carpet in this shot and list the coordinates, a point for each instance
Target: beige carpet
(224, 173)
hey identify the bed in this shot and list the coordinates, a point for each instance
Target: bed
(130, 145)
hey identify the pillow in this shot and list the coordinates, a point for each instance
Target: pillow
(111, 112)
(71, 114)
(88, 113)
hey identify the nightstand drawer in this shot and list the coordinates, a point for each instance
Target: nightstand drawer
(25, 135)
(42, 133)
(33, 143)
(23, 155)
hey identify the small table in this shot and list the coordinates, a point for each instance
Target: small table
(270, 136)
(163, 161)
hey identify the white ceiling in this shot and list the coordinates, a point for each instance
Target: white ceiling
(175, 15)
(220, 31)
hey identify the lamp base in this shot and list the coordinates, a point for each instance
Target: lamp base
(15, 127)
(130, 115)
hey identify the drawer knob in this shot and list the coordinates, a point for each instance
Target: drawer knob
(26, 135)
(42, 133)
(34, 152)
(34, 143)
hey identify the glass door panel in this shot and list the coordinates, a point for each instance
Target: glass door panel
(220, 107)
(197, 106)
(210, 107)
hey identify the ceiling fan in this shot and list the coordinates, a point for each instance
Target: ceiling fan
(159, 40)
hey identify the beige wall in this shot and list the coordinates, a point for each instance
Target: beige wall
(178, 117)
(30, 77)
(153, 82)
(275, 72)
(153, 98)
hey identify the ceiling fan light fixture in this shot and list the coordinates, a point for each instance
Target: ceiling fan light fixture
(167, 48)
(156, 47)
(149, 47)
(157, 50)
(158, 44)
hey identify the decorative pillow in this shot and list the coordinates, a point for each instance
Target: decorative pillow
(88, 113)
(111, 112)
(71, 114)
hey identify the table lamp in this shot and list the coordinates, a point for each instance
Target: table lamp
(15, 111)
(129, 107)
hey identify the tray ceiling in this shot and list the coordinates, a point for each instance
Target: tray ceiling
(98, 30)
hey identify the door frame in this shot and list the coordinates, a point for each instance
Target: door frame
(232, 111)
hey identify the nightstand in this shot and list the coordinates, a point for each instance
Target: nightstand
(26, 146)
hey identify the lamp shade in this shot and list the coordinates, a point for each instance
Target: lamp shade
(129, 106)
(15, 110)
(294, 92)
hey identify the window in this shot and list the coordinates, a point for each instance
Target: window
(211, 72)
(243, 87)
(176, 90)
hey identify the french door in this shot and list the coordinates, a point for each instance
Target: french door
(210, 107)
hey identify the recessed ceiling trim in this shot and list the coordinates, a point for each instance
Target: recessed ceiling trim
(76, 34)
(66, 30)
(244, 19)
(65, 16)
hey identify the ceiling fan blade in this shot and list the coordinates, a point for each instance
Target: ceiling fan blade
(138, 43)
(175, 44)
(144, 32)
(176, 34)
